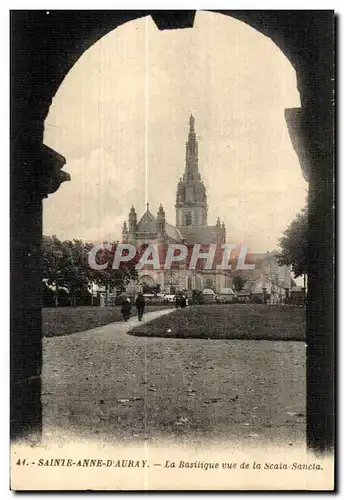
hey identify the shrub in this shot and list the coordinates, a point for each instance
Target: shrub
(257, 300)
(197, 297)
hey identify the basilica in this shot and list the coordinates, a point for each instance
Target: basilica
(191, 227)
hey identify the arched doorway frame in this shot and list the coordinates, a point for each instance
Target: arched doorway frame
(45, 49)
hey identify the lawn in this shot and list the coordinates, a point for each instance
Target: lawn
(232, 321)
(67, 320)
(112, 387)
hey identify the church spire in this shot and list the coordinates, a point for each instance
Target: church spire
(192, 123)
(191, 199)
(191, 157)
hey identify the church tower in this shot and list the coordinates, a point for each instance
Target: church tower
(191, 201)
(160, 221)
(132, 223)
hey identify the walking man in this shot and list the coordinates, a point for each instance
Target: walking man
(140, 305)
(126, 309)
(183, 301)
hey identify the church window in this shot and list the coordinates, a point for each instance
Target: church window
(188, 220)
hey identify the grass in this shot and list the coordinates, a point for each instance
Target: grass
(119, 388)
(67, 320)
(233, 321)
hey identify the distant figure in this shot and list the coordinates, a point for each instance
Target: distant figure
(140, 305)
(177, 301)
(126, 309)
(182, 301)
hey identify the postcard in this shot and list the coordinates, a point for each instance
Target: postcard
(172, 250)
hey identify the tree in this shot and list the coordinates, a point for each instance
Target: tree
(294, 244)
(76, 271)
(64, 267)
(238, 283)
(53, 261)
(110, 278)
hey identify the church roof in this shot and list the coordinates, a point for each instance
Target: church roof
(147, 223)
(201, 234)
(172, 232)
(226, 291)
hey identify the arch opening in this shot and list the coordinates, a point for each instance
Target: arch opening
(323, 111)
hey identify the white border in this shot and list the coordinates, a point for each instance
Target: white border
(176, 5)
(4, 186)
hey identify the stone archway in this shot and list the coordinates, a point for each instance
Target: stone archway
(147, 280)
(305, 37)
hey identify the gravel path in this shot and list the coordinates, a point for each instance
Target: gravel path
(115, 387)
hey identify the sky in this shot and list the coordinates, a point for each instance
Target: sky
(120, 118)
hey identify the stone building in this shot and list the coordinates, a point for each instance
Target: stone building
(191, 228)
(268, 281)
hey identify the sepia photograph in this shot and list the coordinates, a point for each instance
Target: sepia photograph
(172, 250)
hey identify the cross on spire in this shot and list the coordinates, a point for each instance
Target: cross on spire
(192, 123)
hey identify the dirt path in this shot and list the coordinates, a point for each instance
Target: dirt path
(114, 387)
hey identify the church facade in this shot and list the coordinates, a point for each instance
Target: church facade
(191, 227)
